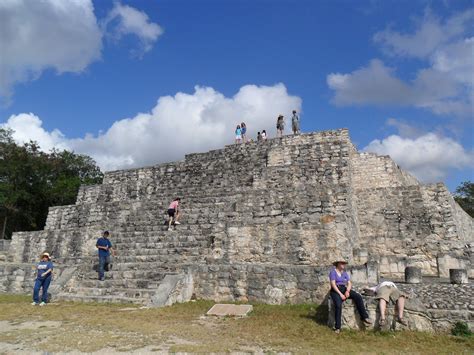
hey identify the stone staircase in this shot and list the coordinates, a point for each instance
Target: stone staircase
(260, 221)
(143, 260)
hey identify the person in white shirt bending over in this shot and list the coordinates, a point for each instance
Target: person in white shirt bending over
(386, 291)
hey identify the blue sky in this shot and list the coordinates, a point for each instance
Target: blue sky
(383, 69)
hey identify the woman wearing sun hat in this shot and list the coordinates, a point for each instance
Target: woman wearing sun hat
(341, 290)
(44, 275)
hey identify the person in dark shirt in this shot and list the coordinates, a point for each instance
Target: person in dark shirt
(104, 245)
(44, 275)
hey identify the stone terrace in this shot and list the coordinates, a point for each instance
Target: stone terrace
(261, 222)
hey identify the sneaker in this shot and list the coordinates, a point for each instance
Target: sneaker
(42, 304)
(402, 321)
(337, 331)
(367, 321)
(34, 304)
(102, 279)
(382, 322)
(177, 223)
(170, 230)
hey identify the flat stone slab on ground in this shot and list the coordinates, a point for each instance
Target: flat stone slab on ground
(238, 310)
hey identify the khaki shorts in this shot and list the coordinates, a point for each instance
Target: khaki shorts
(390, 293)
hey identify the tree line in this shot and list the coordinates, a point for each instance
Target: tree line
(31, 181)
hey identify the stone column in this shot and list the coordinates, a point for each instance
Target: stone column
(412, 275)
(458, 276)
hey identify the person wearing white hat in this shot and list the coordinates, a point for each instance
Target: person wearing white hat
(44, 275)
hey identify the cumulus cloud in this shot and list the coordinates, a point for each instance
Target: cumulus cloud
(62, 35)
(428, 156)
(445, 86)
(36, 35)
(430, 34)
(126, 20)
(179, 124)
(28, 127)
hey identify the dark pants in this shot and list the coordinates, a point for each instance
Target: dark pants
(337, 301)
(102, 261)
(44, 284)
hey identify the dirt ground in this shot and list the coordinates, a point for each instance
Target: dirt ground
(75, 328)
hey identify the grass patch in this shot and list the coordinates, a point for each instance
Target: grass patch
(184, 327)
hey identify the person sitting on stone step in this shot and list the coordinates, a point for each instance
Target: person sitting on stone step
(173, 212)
(386, 291)
(104, 246)
(341, 290)
(44, 275)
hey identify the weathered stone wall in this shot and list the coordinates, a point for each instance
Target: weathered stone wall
(371, 171)
(431, 306)
(261, 221)
(276, 284)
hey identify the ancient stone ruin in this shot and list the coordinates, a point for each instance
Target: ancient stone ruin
(262, 222)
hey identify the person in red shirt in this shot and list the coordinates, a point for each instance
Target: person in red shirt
(173, 212)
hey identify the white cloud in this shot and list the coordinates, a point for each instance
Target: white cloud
(37, 35)
(445, 86)
(430, 34)
(62, 35)
(429, 157)
(126, 20)
(179, 124)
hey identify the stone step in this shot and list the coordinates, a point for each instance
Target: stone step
(139, 293)
(152, 276)
(168, 240)
(162, 260)
(160, 245)
(150, 265)
(124, 250)
(100, 299)
(120, 283)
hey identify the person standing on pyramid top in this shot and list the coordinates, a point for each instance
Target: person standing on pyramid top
(264, 135)
(295, 123)
(104, 245)
(280, 125)
(243, 128)
(238, 134)
(173, 212)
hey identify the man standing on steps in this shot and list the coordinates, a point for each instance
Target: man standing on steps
(295, 123)
(105, 247)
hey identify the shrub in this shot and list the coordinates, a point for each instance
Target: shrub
(461, 329)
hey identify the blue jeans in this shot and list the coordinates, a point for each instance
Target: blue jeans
(337, 301)
(103, 259)
(44, 284)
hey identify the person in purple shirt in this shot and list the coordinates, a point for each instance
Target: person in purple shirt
(341, 290)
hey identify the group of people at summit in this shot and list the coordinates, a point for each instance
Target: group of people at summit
(241, 129)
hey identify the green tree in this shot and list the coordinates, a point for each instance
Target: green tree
(31, 181)
(464, 196)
